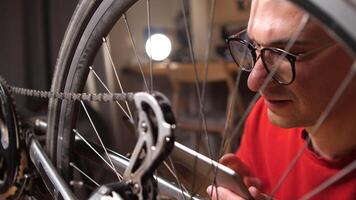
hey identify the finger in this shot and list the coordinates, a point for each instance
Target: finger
(230, 160)
(256, 194)
(224, 194)
(252, 181)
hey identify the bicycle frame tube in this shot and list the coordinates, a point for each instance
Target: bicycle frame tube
(53, 181)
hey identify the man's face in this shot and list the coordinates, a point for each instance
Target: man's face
(272, 23)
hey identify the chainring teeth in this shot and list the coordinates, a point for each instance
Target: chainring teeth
(13, 190)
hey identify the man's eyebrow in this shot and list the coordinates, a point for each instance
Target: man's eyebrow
(281, 42)
(284, 42)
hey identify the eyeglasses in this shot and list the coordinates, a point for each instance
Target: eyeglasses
(281, 62)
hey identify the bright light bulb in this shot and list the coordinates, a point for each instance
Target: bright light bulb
(161, 47)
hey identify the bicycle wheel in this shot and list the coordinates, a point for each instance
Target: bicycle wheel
(92, 21)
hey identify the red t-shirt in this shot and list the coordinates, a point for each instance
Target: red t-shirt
(267, 150)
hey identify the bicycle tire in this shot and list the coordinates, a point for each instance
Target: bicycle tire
(336, 16)
(92, 21)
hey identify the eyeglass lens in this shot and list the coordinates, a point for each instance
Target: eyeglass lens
(242, 55)
(271, 58)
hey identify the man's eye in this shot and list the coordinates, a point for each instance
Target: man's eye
(298, 50)
(295, 51)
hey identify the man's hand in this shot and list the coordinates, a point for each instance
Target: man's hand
(253, 184)
(225, 194)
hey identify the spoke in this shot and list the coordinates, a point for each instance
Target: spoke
(229, 117)
(174, 174)
(346, 170)
(272, 72)
(319, 122)
(197, 88)
(208, 48)
(115, 72)
(96, 152)
(225, 140)
(107, 89)
(83, 173)
(336, 97)
(135, 50)
(257, 95)
(99, 138)
(206, 71)
(290, 167)
(149, 36)
(269, 78)
(197, 81)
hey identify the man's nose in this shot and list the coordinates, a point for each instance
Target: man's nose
(257, 76)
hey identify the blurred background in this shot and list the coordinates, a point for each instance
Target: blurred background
(30, 37)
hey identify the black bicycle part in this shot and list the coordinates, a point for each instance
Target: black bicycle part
(9, 141)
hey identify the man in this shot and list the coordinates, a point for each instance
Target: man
(286, 115)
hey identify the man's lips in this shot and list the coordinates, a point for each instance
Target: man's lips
(274, 104)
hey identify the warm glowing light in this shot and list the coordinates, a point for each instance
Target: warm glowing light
(161, 47)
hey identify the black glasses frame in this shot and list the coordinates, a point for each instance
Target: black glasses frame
(289, 56)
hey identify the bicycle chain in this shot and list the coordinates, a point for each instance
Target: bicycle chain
(99, 97)
(16, 190)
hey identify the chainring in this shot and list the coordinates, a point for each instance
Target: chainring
(12, 156)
